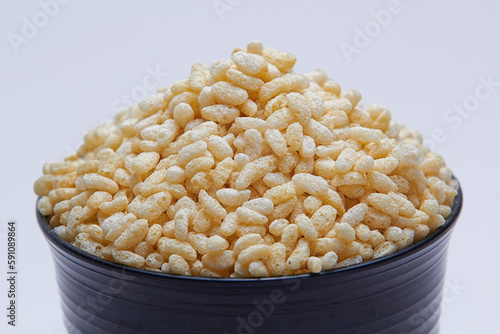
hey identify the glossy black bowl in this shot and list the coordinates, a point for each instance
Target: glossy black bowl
(399, 293)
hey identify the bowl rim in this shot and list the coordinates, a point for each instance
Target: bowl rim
(56, 241)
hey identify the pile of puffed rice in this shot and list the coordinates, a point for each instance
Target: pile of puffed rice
(248, 169)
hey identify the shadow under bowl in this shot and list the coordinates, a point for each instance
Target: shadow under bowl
(399, 293)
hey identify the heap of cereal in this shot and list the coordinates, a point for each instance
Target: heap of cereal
(246, 169)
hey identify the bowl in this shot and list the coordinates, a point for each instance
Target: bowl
(398, 293)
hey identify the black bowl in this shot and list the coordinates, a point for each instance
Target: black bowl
(399, 293)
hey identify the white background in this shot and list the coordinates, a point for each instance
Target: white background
(71, 75)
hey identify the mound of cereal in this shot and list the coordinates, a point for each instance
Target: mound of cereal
(248, 169)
